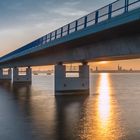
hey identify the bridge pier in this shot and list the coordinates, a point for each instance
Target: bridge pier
(5, 74)
(71, 85)
(25, 78)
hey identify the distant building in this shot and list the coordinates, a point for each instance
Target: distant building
(119, 68)
(96, 69)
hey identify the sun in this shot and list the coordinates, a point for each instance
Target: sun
(103, 62)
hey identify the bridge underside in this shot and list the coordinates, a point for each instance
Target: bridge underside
(117, 43)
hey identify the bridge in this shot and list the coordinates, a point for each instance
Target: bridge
(109, 33)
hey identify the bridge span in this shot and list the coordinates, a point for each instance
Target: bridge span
(109, 33)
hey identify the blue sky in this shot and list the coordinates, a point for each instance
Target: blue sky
(25, 20)
(22, 21)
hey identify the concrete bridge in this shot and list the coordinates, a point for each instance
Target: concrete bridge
(110, 33)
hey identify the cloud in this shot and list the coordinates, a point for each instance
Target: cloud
(72, 3)
(69, 12)
(24, 21)
(68, 9)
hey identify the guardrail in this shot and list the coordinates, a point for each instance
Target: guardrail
(105, 13)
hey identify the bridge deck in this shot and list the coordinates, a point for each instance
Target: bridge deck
(115, 14)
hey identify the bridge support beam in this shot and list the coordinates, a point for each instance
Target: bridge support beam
(5, 74)
(71, 85)
(18, 78)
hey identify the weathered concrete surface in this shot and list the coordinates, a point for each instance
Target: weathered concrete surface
(7, 76)
(119, 48)
(27, 78)
(71, 85)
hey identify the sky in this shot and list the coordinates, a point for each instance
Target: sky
(22, 21)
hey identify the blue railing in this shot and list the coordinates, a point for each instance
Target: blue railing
(105, 13)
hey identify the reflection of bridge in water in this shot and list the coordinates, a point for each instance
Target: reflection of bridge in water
(110, 33)
(67, 117)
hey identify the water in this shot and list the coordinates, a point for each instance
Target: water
(110, 112)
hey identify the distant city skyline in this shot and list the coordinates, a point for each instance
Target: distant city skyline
(24, 21)
(104, 65)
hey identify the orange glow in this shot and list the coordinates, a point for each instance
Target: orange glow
(106, 117)
(104, 100)
(103, 62)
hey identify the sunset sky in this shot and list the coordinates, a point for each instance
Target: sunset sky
(25, 20)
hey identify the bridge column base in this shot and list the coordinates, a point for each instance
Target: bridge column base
(5, 74)
(71, 85)
(26, 78)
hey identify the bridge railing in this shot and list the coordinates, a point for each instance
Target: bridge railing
(114, 9)
(105, 13)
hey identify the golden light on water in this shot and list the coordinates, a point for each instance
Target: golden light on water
(105, 111)
(104, 106)
(101, 117)
(107, 119)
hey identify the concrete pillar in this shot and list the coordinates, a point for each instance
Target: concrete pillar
(71, 85)
(7, 76)
(17, 78)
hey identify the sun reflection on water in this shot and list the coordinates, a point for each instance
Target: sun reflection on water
(107, 118)
(104, 105)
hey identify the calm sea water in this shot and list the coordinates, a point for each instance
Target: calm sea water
(110, 112)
